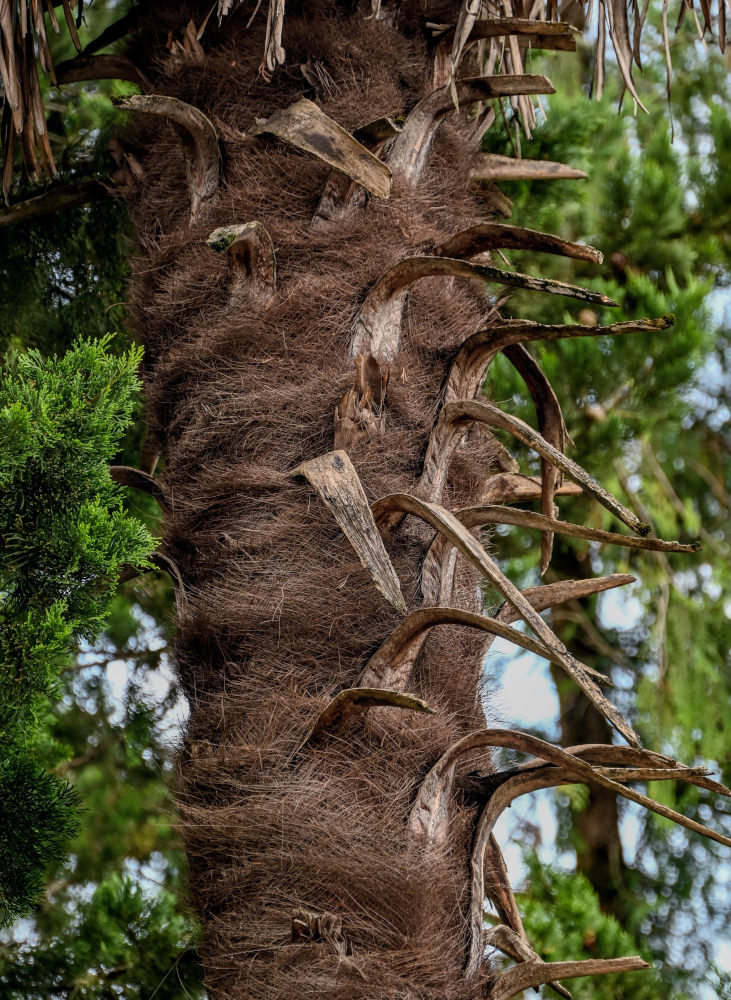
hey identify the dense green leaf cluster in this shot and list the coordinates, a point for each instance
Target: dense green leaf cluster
(64, 538)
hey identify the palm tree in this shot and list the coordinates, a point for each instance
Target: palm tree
(317, 288)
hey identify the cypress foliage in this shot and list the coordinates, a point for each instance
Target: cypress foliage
(64, 538)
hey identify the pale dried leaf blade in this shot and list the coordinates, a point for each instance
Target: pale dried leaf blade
(335, 479)
(353, 701)
(305, 126)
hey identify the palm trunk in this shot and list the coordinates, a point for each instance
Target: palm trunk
(320, 861)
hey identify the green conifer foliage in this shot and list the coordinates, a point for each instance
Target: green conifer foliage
(64, 538)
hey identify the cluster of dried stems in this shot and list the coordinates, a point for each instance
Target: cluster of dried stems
(317, 289)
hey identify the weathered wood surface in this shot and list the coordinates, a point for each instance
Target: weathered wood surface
(493, 167)
(307, 127)
(337, 482)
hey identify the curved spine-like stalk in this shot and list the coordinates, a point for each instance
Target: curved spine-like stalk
(355, 701)
(377, 330)
(447, 524)
(485, 236)
(410, 151)
(203, 157)
(393, 663)
(136, 479)
(470, 410)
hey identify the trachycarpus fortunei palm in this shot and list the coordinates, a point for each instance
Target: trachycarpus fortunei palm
(315, 290)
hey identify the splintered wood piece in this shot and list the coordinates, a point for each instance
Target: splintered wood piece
(493, 167)
(471, 409)
(136, 479)
(354, 701)
(393, 663)
(517, 947)
(552, 426)
(360, 412)
(536, 973)
(377, 329)
(274, 54)
(444, 522)
(337, 482)
(499, 236)
(473, 517)
(251, 259)
(318, 927)
(411, 148)
(307, 127)
(202, 155)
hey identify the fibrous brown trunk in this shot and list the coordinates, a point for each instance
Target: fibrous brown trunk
(300, 374)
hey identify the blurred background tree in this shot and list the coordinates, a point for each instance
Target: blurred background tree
(114, 921)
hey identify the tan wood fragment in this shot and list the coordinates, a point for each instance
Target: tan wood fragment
(337, 482)
(251, 259)
(493, 167)
(307, 127)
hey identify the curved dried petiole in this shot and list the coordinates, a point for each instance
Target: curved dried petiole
(468, 410)
(468, 371)
(499, 236)
(537, 973)
(512, 487)
(473, 517)
(167, 565)
(393, 663)
(339, 485)
(354, 701)
(307, 127)
(517, 947)
(551, 425)
(447, 524)
(200, 142)
(136, 479)
(102, 67)
(377, 329)
(410, 151)
(567, 768)
(251, 259)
